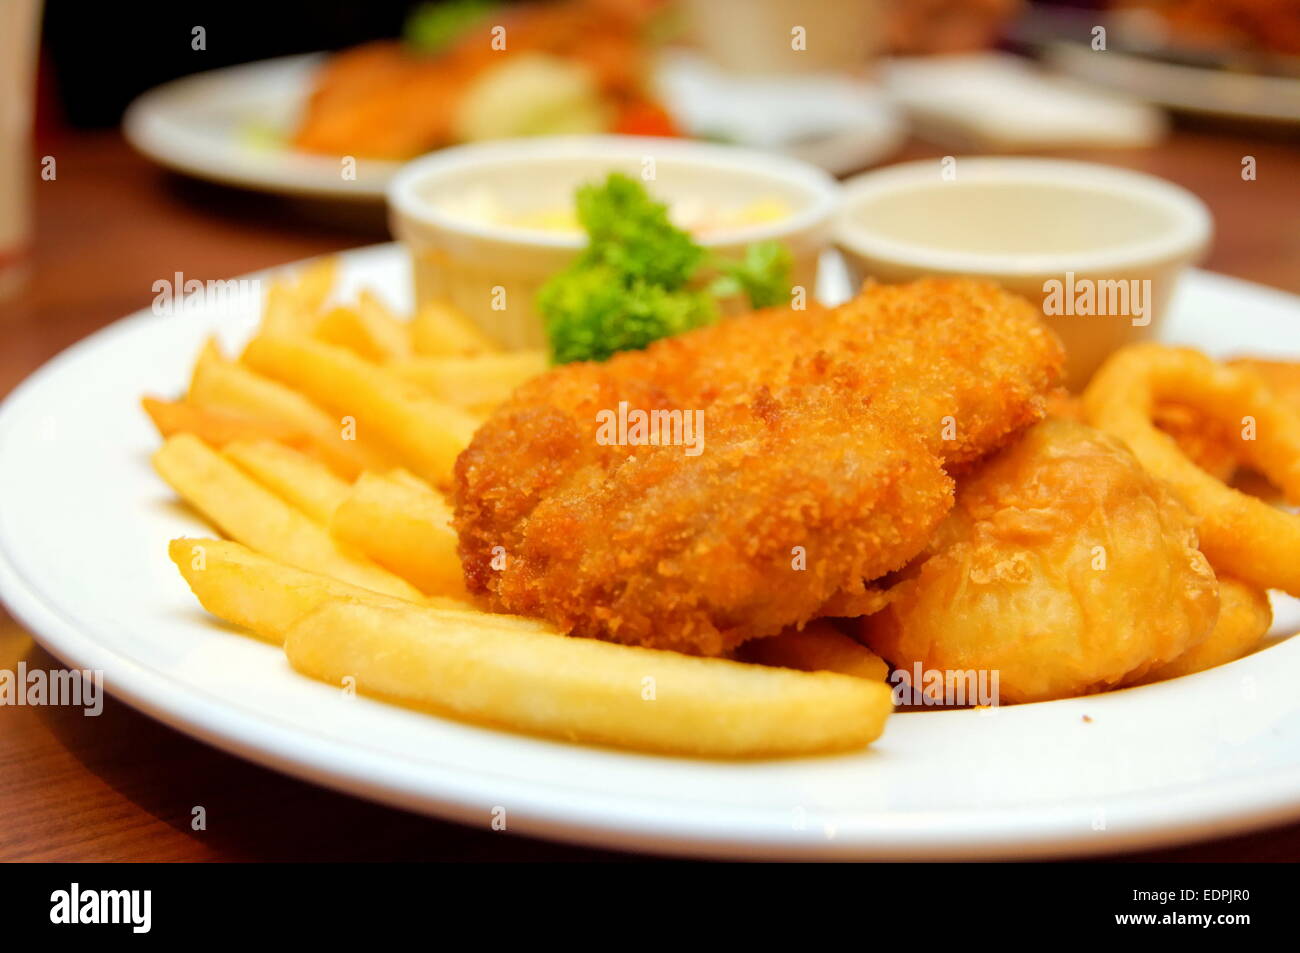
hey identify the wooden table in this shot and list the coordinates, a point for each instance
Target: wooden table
(121, 786)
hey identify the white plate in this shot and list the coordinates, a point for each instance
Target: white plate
(1186, 88)
(84, 525)
(200, 124)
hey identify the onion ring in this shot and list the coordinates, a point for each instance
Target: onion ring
(1242, 536)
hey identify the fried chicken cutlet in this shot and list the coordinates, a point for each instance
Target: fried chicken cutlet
(827, 437)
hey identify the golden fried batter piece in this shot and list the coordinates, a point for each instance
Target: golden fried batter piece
(1061, 403)
(1064, 566)
(1245, 617)
(826, 436)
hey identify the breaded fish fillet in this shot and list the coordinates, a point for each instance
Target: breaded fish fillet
(826, 435)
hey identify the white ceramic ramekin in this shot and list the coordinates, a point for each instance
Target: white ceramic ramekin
(1099, 248)
(492, 272)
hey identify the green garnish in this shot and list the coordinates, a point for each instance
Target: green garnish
(431, 28)
(631, 285)
(763, 275)
(630, 232)
(593, 312)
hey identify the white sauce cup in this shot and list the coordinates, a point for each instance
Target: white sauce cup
(1099, 249)
(492, 271)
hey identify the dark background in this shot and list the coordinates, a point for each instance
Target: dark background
(100, 56)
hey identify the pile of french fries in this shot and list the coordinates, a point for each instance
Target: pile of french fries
(323, 454)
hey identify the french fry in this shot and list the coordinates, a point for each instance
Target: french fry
(402, 475)
(368, 328)
(424, 434)
(294, 304)
(480, 381)
(441, 330)
(817, 647)
(246, 589)
(267, 597)
(217, 426)
(314, 283)
(583, 689)
(219, 383)
(283, 314)
(298, 479)
(256, 517)
(404, 527)
(364, 580)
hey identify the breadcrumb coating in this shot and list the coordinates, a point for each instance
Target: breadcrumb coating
(828, 436)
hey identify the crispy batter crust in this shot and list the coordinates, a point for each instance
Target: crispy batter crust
(1065, 567)
(826, 434)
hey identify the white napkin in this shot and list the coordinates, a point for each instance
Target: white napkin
(992, 101)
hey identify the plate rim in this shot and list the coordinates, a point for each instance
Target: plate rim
(271, 175)
(1161, 84)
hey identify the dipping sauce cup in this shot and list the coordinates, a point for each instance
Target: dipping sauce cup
(488, 224)
(1099, 249)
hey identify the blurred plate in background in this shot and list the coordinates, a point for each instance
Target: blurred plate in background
(231, 125)
(1183, 87)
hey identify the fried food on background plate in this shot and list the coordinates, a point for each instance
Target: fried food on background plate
(825, 440)
(1064, 566)
(388, 99)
